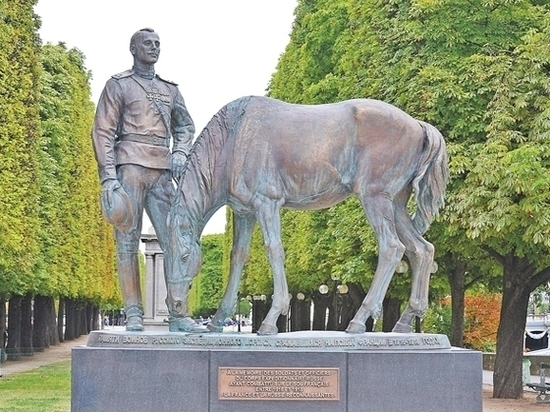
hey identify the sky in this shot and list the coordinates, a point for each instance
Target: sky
(215, 50)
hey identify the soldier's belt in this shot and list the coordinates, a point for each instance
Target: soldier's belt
(152, 140)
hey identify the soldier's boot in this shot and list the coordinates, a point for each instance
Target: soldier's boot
(128, 272)
(178, 319)
(134, 318)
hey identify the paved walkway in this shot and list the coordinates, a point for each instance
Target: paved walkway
(50, 355)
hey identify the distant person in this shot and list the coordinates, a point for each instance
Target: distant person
(139, 115)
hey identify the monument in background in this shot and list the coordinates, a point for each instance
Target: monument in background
(155, 312)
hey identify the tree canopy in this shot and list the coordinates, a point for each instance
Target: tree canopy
(479, 73)
(54, 241)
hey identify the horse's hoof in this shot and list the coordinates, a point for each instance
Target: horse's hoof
(213, 328)
(266, 329)
(402, 328)
(356, 327)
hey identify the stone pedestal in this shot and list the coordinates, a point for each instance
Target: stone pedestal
(297, 371)
(154, 306)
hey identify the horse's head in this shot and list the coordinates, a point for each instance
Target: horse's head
(183, 250)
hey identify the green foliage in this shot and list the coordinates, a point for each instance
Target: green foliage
(437, 319)
(54, 241)
(244, 307)
(78, 246)
(19, 146)
(208, 286)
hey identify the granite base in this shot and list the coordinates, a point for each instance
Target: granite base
(274, 373)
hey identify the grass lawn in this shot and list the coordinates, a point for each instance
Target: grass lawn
(47, 389)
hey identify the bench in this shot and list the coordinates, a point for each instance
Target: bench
(542, 387)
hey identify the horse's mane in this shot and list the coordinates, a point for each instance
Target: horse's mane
(202, 159)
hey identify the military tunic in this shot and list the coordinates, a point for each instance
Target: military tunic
(136, 120)
(131, 121)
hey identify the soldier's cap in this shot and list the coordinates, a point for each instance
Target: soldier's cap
(121, 212)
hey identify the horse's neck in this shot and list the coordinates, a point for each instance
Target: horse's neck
(205, 181)
(202, 195)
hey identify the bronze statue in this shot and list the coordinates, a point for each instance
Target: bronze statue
(258, 155)
(138, 116)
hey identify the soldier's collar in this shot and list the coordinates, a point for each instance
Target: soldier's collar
(146, 74)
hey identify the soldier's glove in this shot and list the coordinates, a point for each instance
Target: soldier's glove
(107, 189)
(178, 164)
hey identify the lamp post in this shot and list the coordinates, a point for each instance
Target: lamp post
(238, 313)
(297, 317)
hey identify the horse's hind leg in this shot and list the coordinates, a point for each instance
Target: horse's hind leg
(379, 209)
(420, 254)
(270, 224)
(242, 234)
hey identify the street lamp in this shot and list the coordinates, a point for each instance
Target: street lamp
(402, 267)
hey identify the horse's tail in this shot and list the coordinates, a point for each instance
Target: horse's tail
(431, 178)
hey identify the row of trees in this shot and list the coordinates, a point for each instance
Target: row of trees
(56, 253)
(480, 73)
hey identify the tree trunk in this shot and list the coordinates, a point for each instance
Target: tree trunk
(3, 313)
(305, 315)
(52, 337)
(82, 322)
(391, 311)
(70, 319)
(344, 311)
(61, 320)
(95, 318)
(282, 323)
(332, 321)
(369, 324)
(13, 349)
(457, 282)
(507, 377)
(352, 301)
(300, 315)
(258, 314)
(40, 324)
(320, 304)
(26, 325)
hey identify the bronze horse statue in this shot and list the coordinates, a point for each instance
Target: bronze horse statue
(258, 155)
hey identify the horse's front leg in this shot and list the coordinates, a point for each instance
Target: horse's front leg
(270, 224)
(242, 234)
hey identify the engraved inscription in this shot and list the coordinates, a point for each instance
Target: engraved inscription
(108, 339)
(315, 341)
(245, 383)
(135, 340)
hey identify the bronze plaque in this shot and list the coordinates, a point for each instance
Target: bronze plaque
(278, 384)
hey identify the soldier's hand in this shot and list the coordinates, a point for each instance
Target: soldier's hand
(107, 189)
(178, 164)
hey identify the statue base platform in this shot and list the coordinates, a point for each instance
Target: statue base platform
(311, 371)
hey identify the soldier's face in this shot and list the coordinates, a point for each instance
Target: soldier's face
(146, 48)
